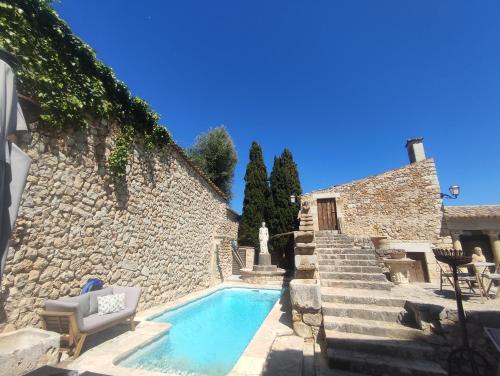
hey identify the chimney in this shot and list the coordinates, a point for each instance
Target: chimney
(415, 148)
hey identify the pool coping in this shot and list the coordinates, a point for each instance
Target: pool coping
(105, 357)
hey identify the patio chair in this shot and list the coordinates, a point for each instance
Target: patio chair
(494, 277)
(446, 275)
(75, 318)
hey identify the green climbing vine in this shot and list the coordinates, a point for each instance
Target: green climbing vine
(63, 74)
(118, 158)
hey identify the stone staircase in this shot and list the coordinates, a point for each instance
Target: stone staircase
(368, 332)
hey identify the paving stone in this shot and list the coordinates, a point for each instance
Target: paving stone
(285, 357)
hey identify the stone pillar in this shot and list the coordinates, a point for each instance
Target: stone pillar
(495, 245)
(455, 237)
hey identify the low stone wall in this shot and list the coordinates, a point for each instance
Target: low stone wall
(157, 229)
(443, 330)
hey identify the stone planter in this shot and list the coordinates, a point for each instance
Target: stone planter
(24, 350)
(399, 270)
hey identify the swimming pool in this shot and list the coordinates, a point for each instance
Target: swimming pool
(208, 335)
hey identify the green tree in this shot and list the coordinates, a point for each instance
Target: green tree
(215, 154)
(256, 204)
(284, 182)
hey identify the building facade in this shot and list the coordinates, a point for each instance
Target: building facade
(404, 207)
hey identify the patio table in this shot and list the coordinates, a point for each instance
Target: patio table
(480, 269)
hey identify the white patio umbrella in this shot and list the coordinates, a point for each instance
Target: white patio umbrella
(14, 163)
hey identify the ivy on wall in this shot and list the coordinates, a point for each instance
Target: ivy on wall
(118, 158)
(63, 74)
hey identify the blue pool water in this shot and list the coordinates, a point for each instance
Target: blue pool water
(208, 335)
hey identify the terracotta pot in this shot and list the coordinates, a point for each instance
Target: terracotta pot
(397, 255)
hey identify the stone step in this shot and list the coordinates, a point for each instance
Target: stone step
(349, 268)
(342, 251)
(370, 285)
(327, 371)
(346, 256)
(371, 327)
(333, 236)
(335, 247)
(366, 312)
(334, 241)
(353, 276)
(379, 365)
(345, 262)
(357, 296)
(378, 345)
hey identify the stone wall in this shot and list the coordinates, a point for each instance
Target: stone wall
(442, 328)
(157, 230)
(401, 204)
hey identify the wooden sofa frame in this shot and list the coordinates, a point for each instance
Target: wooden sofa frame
(72, 339)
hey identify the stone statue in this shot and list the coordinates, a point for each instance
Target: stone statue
(263, 239)
(477, 255)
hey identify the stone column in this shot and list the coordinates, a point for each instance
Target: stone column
(495, 245)
(455, 237)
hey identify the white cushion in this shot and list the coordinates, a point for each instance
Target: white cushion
(110, 303)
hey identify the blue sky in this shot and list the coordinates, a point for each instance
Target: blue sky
(342, 84)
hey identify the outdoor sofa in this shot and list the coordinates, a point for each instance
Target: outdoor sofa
(75, 318)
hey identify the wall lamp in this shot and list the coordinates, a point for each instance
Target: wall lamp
(294, 199)
(454, 192)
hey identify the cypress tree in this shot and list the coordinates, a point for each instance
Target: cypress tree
(256, 203)
(284, 182)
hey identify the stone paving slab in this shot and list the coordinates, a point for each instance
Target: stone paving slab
(428, 293)
(285, 357)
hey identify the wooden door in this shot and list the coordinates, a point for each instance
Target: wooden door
(327, 214)
(418, 272)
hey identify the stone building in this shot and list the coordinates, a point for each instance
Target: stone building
(403, 206)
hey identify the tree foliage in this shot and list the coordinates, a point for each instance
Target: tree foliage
(64, 76)
(257, 201)
(215, 154)
(284, 182)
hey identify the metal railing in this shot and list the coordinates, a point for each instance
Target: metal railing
(236, 255)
